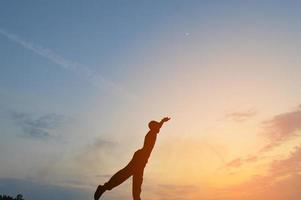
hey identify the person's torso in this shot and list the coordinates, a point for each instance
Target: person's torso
(142, 155)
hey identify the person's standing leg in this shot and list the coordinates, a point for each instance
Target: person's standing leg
(137, 182)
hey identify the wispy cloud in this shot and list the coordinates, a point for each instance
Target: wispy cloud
(39, 127)
(172, 191)
(235, 163)
(276, 131)
(240, 161)
(281, 128)
(240, 116)
(288, 166)
(82, 70)
(95, 153)
(281, 181)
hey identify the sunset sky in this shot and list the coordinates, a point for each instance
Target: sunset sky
(80, 80)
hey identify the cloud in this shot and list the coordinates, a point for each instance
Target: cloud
(282, 181)
(77, 68)
(281, 128)
(100, 143)
(241, 116)
(171, 191)
(96, 153)
(289, 166)
(105, 176)
(276, 131)
(262, 188)
(235, 163)
(39, 127)
(241, 161)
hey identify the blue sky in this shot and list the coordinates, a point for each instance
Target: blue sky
(80, 80)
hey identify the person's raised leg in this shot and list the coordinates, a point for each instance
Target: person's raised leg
(137, 182)
(114, 181)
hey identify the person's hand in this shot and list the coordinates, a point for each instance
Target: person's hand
(165, 119)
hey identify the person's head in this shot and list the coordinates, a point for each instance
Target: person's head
(154, 125)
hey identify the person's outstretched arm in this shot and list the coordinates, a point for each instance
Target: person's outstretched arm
(150, 138)
(165, 119)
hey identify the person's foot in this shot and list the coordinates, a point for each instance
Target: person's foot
(100, 190)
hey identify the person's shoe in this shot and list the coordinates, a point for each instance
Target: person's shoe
(100, 190)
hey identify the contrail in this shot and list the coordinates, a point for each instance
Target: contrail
(77, 68)
(219, 155)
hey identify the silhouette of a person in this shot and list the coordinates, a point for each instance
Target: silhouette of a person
(136, 166)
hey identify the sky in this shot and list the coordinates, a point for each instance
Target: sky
(79, 82)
